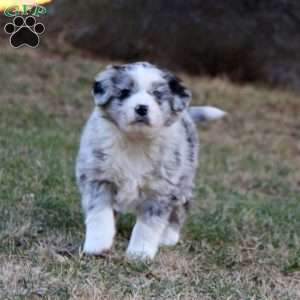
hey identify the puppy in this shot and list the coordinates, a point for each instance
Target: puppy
(138, 153)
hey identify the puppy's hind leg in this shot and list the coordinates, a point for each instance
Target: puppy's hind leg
(99, 217)
(171, 234)
(148, 230)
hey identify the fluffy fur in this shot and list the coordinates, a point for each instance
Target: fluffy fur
(138, 153)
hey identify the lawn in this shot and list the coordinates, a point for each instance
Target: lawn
(242, 240)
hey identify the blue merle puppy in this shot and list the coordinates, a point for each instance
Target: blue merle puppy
(138, 153)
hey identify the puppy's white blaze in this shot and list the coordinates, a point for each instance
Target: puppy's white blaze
(144, 77)
(100, 231)
(170, 237)
(205, 113)
(145, 239)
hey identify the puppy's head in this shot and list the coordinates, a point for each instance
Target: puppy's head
(139, 97)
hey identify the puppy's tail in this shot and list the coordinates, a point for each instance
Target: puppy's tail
(205, 113)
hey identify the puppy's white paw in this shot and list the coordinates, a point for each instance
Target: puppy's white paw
(144, 241)
(95, 245)
(100, 232)
(170, 237)
(141, 251)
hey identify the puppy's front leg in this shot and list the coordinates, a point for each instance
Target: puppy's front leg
(147, 232)
(99, 217)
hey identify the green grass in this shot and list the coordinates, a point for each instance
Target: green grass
(241, 241)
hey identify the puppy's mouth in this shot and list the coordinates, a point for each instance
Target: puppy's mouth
(141, 121)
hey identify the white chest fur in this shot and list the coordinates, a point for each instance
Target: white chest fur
(131, 167)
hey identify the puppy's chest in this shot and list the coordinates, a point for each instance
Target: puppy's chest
(134, 173)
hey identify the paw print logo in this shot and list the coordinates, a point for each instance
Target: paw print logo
(24, 32)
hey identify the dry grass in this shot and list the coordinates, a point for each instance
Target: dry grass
(242, 240)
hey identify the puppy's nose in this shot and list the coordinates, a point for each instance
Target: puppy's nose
(141, 110)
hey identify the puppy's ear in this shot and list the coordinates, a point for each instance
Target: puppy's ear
(102, 90)
(182, 95)
(99, 93)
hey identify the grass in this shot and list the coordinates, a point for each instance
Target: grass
(241, 241)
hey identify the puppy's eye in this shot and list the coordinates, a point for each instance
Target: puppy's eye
(157, 94)
(125, 93)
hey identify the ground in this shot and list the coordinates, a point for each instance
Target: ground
(242, 240)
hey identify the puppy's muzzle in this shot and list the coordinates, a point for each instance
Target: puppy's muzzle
(141, 112)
